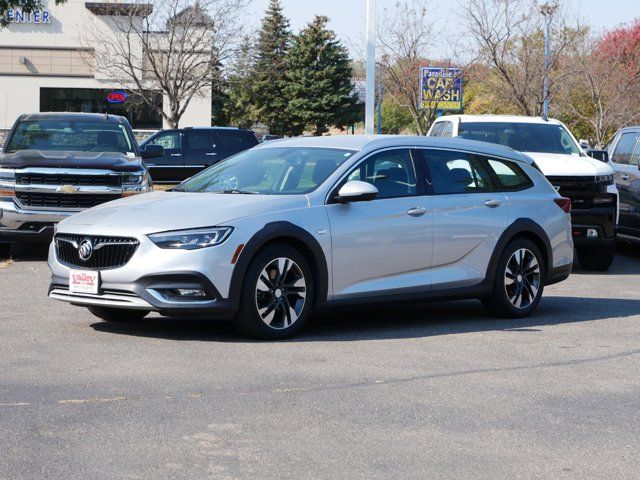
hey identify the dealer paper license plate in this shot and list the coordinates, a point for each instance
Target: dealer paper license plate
(83, 281)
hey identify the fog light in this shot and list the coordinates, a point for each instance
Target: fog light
(191, 292)
(592, 233)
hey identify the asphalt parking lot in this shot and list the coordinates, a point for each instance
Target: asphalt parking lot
(429, 391)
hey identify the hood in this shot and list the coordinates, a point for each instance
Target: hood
(118, 162)
(162, 211)
(554, 164)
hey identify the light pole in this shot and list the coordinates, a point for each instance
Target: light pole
(370, 99)
(546, 10)
(379, 114)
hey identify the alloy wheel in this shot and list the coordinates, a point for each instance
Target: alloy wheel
(522, 278)
(280, 293)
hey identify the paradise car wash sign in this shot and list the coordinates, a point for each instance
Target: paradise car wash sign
(15, 15)
(440, 88)
(117, 96)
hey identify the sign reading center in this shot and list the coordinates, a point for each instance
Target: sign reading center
(18, 16)
(440, 88)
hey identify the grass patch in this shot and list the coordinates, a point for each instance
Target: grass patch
(162, 187)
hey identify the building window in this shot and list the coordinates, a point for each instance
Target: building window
(93, 100)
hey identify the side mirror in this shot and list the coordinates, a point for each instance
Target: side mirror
(601, 155)
(356, 191)
(151, 151)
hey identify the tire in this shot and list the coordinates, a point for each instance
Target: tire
(118, 314)
(519, 281)
(596, 259)
(5, 251)
(274, 306)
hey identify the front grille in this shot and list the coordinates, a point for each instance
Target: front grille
(66, 179)
(64, 200)
(577, 185)
(108, 252)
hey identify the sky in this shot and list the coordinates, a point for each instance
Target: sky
(348, 16)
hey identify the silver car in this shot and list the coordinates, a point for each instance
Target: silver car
(266, 236)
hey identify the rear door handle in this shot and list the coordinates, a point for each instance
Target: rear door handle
(211, 154)
(417, 211)
(492, 203)
(176, 154)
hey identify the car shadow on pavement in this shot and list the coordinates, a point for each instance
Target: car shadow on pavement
(36, 252)
(424, 320)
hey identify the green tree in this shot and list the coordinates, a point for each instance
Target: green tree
(268, 86)
(27, 6)
(396, 118)
(318, 78)
(238, 107)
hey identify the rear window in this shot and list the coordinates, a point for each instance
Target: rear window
(75, 136)
(236, 141)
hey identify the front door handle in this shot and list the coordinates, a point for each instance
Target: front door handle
(176, 154)
(417, 211)
(492, 203)
(211, 154)
(625, 177)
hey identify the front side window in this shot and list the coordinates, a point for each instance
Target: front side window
(626, 152)
(456, 172)
(74, 136)
(392, 172)
(523, 137)
(269, 171)
(169, 140)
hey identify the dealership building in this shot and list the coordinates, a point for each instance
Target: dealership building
(46, 67)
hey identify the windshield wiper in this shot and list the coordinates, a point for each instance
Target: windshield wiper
(238, 192)
(176, 189)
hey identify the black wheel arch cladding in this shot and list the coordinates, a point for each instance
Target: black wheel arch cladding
(288, 234)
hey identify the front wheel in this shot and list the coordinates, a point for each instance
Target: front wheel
(598, 259)
(519, 281)
(118, 314)
(277, 294)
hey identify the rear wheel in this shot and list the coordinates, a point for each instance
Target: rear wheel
(5, 251)
(596, 258)
(277, 294)
(118, 314)
(519, 281)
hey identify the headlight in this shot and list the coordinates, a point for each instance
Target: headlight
(134, 183)
(7, 182)
(191, 239)
(606, 179)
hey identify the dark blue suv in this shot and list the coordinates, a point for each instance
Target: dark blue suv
(187, 151)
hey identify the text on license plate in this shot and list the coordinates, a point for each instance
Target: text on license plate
(82, 281)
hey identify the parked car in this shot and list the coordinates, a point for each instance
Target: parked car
(624, 157)
(587, 182)
(268, 138)
(188, 151)
(265, 237)
(56, 164)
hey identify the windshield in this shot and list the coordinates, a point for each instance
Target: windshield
(524, 137)
(269, 171)
(70, 136)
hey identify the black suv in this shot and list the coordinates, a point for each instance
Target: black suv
(187, 151)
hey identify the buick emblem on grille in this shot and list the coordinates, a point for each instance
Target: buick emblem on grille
(85, 249)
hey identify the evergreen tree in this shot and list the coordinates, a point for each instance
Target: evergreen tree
(319, 81)
(268, 96)
(239, 108)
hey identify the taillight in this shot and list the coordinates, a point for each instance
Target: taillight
(564, 203)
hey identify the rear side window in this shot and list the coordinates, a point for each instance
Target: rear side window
(437, 130)
(626, 152)
(199, 141)
(235, 141)
(456, 172)
(509, 175)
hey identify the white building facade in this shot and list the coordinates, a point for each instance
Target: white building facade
(45, 66)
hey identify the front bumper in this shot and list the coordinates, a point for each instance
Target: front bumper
(148, 280)
(28, 225)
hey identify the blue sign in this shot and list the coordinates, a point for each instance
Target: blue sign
(441, 88)
(117, 96)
